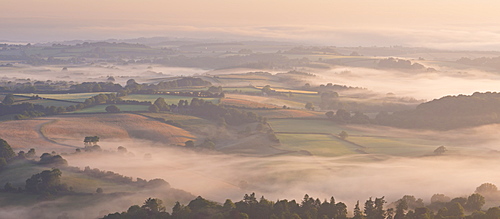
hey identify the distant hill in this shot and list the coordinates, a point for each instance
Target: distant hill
(448, 112)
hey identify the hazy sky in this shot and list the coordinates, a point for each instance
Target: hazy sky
(458, 24)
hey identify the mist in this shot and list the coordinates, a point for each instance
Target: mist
(420, 85)
(348, 178)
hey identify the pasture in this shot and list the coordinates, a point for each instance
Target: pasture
(309, 126)
(316, 144)
(395, 146)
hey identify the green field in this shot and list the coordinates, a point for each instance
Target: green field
(305, 133)
(395, 146)
(319, 145)
(170, 99)
(309, 126)
(122, 107)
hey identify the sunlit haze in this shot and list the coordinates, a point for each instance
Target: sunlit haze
(446, 24)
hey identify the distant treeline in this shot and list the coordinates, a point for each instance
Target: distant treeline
(493, 62)
(250, 206)
(401, 64)
(85, 87)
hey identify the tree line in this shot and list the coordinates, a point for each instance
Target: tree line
(408, 207)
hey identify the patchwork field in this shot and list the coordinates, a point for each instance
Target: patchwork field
(317, 136)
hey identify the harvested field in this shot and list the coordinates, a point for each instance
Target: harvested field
(266, 100)
(25, 134)
(245, 103)
(114, 126)
(65, 133)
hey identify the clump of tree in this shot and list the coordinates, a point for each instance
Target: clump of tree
(344, 116)
(118, 178)
(395, 63)
(46, 183)
(492, 62)
(214, 112)
(6, 154)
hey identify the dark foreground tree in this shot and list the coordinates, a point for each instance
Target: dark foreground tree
(6, 151)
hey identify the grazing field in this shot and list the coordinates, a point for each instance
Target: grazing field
(309, 126)
(170, 99)
(319, 145)
(395, 146)
(122, 107)
(73, 128)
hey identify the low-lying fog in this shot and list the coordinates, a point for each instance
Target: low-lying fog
(425, 85)
(96, 72)
(348, 178)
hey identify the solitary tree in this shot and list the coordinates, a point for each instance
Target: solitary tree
(329, 114)
(440, 150)
(309, 106)
(343, 135)
(91, 140)
(189, 144)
